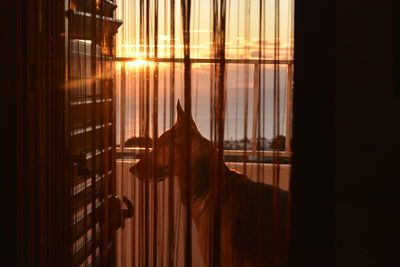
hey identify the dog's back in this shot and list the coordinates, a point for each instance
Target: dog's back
(247, 213)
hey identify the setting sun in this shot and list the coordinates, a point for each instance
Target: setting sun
(136, 63)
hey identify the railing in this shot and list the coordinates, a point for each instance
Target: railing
(256, 63)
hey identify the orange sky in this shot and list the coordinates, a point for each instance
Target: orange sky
(237, 45)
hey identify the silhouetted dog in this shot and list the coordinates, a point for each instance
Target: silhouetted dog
(246, 214)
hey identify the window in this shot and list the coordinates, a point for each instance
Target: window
(150, 63)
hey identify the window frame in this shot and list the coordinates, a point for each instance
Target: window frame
(121, 149)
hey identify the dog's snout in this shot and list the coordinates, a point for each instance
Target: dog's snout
(160, 173)
(135, 169)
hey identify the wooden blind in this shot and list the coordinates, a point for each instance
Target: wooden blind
(91, 127)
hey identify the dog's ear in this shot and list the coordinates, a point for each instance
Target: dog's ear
(181, 113)
(182, 117)
(194, 126)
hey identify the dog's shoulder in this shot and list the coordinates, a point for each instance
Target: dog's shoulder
(252, 222)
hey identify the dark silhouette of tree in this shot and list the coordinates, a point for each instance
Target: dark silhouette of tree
(138, 141)
(247, 140)
(262, 143)
(278, 142)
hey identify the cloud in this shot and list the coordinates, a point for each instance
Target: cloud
(242, 49)
(257, 54)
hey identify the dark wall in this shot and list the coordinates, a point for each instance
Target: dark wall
(366, 118)
(346, 138)
(8, 181)
(32, 143)
(312, 208)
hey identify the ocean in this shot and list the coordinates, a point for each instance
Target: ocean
(236, 83)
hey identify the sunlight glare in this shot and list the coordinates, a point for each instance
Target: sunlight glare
(136, 63)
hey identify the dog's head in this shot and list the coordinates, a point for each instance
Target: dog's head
(167, 158)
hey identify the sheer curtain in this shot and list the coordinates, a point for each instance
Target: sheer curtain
(230, 66)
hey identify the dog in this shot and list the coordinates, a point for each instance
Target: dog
(248, 234)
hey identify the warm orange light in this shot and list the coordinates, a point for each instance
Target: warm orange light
(136, 63)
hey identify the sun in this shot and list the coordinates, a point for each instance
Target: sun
(136, 63)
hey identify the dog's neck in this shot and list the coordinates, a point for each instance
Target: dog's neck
(203, 170)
